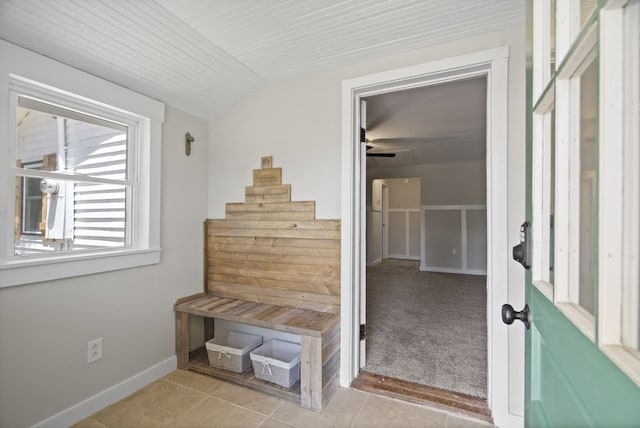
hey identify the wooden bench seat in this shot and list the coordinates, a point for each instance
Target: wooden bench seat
(319, 339)
(270, 264)
(303, 322)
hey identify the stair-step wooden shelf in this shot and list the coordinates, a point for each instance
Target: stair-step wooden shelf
(271, 264)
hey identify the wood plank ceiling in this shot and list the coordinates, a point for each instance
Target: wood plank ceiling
(202, 56)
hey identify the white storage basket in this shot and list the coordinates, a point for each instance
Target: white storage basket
(232, 352)
(277, 361)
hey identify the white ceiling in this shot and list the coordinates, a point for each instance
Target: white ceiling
(202, 56)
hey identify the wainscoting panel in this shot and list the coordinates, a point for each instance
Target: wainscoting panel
(454, 239)
(404, 233)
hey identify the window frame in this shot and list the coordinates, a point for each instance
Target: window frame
(31, 165)
(619, 197)
(617, 170)
(32, 75)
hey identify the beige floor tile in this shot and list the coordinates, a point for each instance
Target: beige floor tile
(250, 398)
(197, 381)
(340, 412)
(272, 423)
(388, 413)
(89, 423)
(156, 405)
(455, 422)
(213, 412)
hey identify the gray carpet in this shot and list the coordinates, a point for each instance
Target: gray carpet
(428, 328)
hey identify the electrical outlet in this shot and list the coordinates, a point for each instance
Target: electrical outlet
(94, 350)
(454, 251)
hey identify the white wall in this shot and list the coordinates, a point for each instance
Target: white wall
(403, 219)
(44, 327)
(298, 121)
(459, 183)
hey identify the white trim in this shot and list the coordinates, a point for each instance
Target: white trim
(545, 288)
(492, 63)
(91, 405)
(34, 269)
(403, 257)
(583, 320)
(452, 207)
(453, 270)
(611, 190)
(631, 289)
(618, 189)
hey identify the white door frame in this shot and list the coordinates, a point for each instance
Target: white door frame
(384, 251)
(493, 64)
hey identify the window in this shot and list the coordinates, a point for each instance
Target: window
(83, 167)
(80, 202)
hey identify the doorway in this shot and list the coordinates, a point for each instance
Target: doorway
(434, 134)
(492, 64)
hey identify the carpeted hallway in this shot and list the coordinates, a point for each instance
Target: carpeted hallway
(428, 328)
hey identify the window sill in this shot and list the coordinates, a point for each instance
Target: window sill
(583, 320)
(545, 289)
(38, 269)
(625, 360)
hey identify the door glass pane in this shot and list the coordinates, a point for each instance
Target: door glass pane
(588, 187)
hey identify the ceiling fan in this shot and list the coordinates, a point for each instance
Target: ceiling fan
(369, 147)
(379, 154)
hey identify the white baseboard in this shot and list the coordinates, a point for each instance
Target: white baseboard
(403, 257)
(375, 262)
(453, 270)
(91, 405)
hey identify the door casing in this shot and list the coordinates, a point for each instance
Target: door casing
(492, 63)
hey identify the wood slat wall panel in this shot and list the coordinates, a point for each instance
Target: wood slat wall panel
(267, 177)
(281, 233)
(274, 252)
(260, 245)
(235, 256)
(298, 210)
(292, 298)
(277, 284)
(280, 193)
(319, 270)
(216, 226)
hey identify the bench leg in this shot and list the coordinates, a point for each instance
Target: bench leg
(182, 339)
(311, 373)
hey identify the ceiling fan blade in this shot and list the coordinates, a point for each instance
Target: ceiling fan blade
(382, 155)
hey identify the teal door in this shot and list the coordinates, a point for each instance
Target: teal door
(582, 360)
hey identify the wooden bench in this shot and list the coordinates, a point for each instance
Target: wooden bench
(271, 264)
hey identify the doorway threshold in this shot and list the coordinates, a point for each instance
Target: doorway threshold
(424, 395)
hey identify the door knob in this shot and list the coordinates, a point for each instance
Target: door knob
(509, 315)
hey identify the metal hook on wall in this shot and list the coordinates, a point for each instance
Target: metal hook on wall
(188, 139)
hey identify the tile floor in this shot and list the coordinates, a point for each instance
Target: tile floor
(188, 399)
